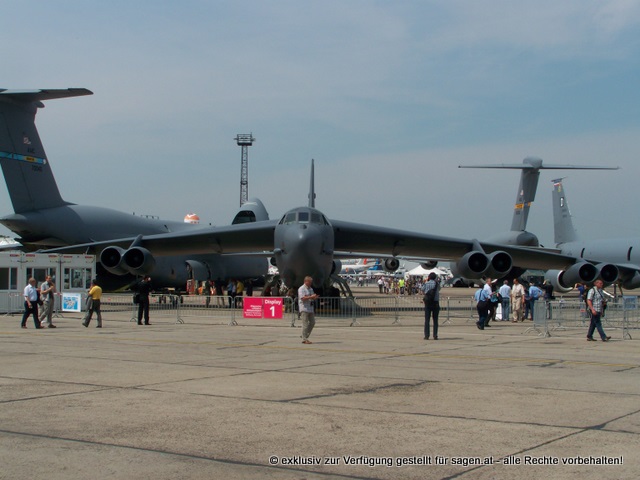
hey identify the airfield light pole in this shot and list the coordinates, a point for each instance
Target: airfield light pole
(244, 141)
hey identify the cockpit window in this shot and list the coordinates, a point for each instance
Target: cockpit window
(304, 217)
(244, 216)
(288, 219)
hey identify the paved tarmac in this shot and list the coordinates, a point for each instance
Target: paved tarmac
(206, 400)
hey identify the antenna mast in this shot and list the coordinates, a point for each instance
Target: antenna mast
(244, 141)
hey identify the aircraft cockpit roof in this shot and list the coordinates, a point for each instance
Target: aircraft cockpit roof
(304, 215)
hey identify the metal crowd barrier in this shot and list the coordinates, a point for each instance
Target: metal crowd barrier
(354, 309)
(551, 318)
(12, 303)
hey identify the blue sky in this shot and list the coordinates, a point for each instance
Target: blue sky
(387, 97)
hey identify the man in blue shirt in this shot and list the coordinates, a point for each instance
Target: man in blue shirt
(482, 298)
(505, 293)
(534, 294)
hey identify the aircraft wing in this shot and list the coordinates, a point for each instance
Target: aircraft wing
(254, 237)
(372, 240)
(369, 240)
(259, 239)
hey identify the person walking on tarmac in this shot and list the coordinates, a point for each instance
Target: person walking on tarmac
(597, 304)
(306, 296)
(47, 290)
(144, 289)
(93, 304)
(31, 297)
(431, 290)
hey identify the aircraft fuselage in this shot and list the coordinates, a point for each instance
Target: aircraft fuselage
(303, 241)
(77, 224)
(612, 250)
(80, 224)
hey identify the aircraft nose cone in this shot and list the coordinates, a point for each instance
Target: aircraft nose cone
(305, 241)
(303, 254)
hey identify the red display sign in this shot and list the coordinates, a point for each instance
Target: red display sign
(252, 307)
(263, 307)
(272, 307)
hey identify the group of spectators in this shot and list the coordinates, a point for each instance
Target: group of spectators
(517, 301)
(35, 297)
(234, 289)
(400, 286)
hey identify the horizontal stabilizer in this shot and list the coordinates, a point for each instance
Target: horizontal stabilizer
(39, 95)
(526, 194)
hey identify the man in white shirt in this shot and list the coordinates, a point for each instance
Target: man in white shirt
(31, 295)
(305, 304)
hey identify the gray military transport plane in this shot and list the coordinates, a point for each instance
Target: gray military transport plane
(617, 260)
(529, 176)
(43, 219)
(526, 194)
(302, 242)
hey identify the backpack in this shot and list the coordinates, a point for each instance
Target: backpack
(430, 296)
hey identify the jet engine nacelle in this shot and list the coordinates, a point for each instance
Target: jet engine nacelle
(582, 272)
(563, 281)
(608, 273)
(111, 259)
(136, 260)
(139, 261)
(476, 264)
(500, 264)
(429, 265)
(337, 267)
(391, 264)
(632, 282)
(472, 265)
(553, 277)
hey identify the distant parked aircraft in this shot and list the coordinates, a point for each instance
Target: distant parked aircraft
(43, 219)
(526, 194)
(612, 259)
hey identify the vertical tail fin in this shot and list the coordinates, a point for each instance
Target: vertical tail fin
(526, 193)
(563, 229)
(529, 177)
(24, 163)
(312, 189)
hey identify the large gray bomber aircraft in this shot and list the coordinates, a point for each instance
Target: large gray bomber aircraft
(302, 242)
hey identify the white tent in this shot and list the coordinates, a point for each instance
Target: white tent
(423, 272)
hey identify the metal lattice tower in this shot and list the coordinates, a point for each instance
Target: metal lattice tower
(244, 141)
